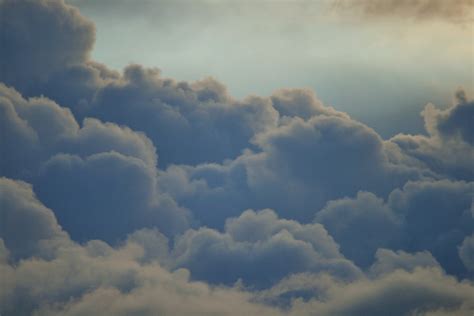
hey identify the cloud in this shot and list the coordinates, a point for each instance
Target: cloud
(397, 293)
(98, 279)
(88, 174)
(449, 131)
(456, 11)
(259, 259)
(95, 278)
(106, 196)
(437, 217)
(424, 215)
(466, 252)
(69, 41)
(388, 261)
(361, 226)
(299, 167)
(123, 193)
(188, 122)
(39, 233)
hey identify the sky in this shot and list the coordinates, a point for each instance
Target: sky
(333, 47)
(224, 157)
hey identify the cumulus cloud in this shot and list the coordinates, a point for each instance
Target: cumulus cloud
(397, 293)
(437, 217)
(188, 122)
(106, 196)
(361, 226)
(96, 278)
(388, 261)
(151, 176)
(259, 259)
(422, 215)
(39, 232)
(300, 165)
(88, 174)
(69, 41)
(449, 130)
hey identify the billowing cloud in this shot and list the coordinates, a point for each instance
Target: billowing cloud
(449, 130)
(361, 226)
(98, 279)
(388, 261)
(420, 292)
(437, 217)
(423, 215)
(131, 193)
(87, 173)
(69, 41)
(260, 258)
(294, 171)
(39, 233)
(188, 122)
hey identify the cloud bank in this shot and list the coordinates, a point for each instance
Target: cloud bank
(128, 193)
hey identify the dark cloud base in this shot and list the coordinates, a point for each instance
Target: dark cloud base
(133, 194)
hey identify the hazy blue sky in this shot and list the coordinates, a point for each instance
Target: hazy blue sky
(373, 67)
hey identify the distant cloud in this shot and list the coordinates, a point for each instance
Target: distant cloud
(457, 11)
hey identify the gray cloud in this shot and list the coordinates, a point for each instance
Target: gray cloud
(294, 172)
(359, 226)
(98, 279)
(423, 215)
(388, 261)
(39, 233)
(188, 122)
(69, 39)
(80, 171)
(397, 293)
(88, 193)
(259, 259)
(437, 216)
(449, 131)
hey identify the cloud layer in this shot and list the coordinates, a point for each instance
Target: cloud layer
(134, 194)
